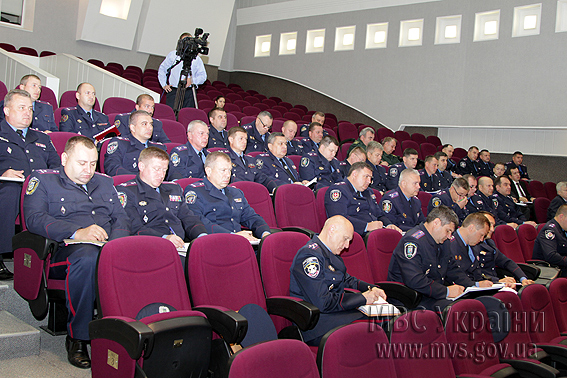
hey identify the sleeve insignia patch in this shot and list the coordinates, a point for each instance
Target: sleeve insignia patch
(463, 164)
(41, 145)
(64, 118)
(117, 123)
(238, 200)
(259, 163)
(495, 202)
(436, 202)
(190, 197)
(410, 250)
(394, 194)
(311, 267)
(32, 186)
(313, 246)
(387, 206)
(549, 235)
(112, 147)
(335, 195)
(123, 198)
(175, 159)
(304, 162)
(393, 172)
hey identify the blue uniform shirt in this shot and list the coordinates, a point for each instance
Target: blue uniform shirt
(247, 171)
(122, 122)
(76, 120)
(217, 138)
(316, 165)
(121, 156)
(185, 162)
(403, 212)
(268, 164)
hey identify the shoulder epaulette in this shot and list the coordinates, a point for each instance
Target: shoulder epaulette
(47, 171)
(181, 148)
(263, 154)
(197, 184)
(128, 183)
(418, 234)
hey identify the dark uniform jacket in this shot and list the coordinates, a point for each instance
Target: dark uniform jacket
(555, 204)
(356, 143)
(223, 213)
(247, 170)
(122, 122)
(309, 146)
(294, 147)
(341, 199)
(460, 252)
(488, 204)
(185, 162)
(467, 166)
(304, 130)
(425, 266)
(429, 183)
(445, 179)
(444, 198)
(475, 204)
(56, 207)
(379, 177)
(76, 120)
(344, 167)
(159, 214)
(390, 158)
(551, 245)
(255, 140)
(451, 165)
(485, 169)
(43, 118)
(268, 164)
(316, 165)
(121, 156)
(507, 209)
(404, 213)
(522, 168)
(394, 172)
(217, 138)
(489, 257)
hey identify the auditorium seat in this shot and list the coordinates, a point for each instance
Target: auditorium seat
(225, 91)
(69, 100)
(47, 95)
(320, 204)
(434, 140)
(46, 53)
(418, 138)
(263, 107)
(347, 131)
(162, 112)
(27, 51)
(558, 294)
(427, 149)
(295, 207)
(330, 131)
(277, 125)
(251, 110)
(424, 197)
(203, 96)
(228, 107)
(59, 139)
(118, 105)
(331, 122)
(233, 97)
(251, 92)
(380, 245)
(247, 119)
(269, 102)
(302, 107)
(96, 62)
(382, 133)
(219, 84)
(119, 67)
(550, 190)
(186, 115)
(136, 69)
(3, 90)
(537, 189)
(214, 93)
(8, 47)
(260, 96)
(184, 182)
(281, 109)
(411, 144)
(541, 204)
(293, 116)
(234, 86)
(119, 179)
(259, 199)
(459, 153)
(206, 103)
(402, 135)
(231, 121)
(175, 131)
(307, 118)
(252, 100)
(298, 111)
(171, 145)
(342, 153)
(132, 77)
(242, 103)
(527, 235)
(296, 159)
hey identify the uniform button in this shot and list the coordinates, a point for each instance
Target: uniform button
(62, 199)
(167, 209)
(439, 266)
(232, 219)
(334, 278)
(27, 151)
(166, 221)
(93, 212)
(31, 160)
(91, 198)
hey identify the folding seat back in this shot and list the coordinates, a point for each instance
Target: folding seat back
(273, 112)
(242, 103)
(68, 99)
(111, 117)
(347, 131)
(233, 97)
(259, 198)
(427, 149)
(274, 359)
(277, 125)
(260, 96)
(175, 131)
(289, 107)
(102, 153)
(558, 294)
(424, 197)
(507, 242)
(283, 109)
(459, 153)
(200, 97)
(96, 62)
(226, 91)
(183, 182)
(119, 179)
(433, 139)
(331, 116)
(251, 110)
(320, 202)
(541, 204)
(378, 195)
(187, 115)
(342, 154)
(330, 131)
(330, 122)
(550, 190)
(269, 102)
(356, 260)
(27, 51)
(307, 118)
(119, 67)
(411, 144)
(46, 53)
(205, 103)
(228, 107)
(60, 138)
(231, 121)
(295, 207)
(162, 112)
(171, 145)
(292, 115)
(537, 189)
(4, 90)
(350, 351)
(382, 133)
(418, 138)
(47, 95)
(542, 325)
(8, 47)
(527, 235)
(144, 312)
(118, 105)
(380, 245)
(401, 135)
(251, 99)
(296, 159)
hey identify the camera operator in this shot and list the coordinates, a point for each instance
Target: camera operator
(169, 84)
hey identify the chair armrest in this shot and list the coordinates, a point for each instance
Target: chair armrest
(538, 262)
(302, 230)
(532, 272)
(225, 322)
(134, 336)
(42, 246)
(532, 367)
(302, 313)
(408, 297)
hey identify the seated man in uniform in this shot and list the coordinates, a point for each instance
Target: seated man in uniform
(517, 160)
(451, 164)
(353, 199)
(318, 117)
(22, 150)
(311, 144)
(356, 154)
(365, 136)
(319, 276)
(455, 198)
(222, 208)
(401, 205)
(485, 166)
(423, 262)
(389, 145)
(506, 208)
(43, 118)
(87, 209)
(188, 159)
(322, 164)
(474, 203)
(294, 147)
(561, 199)
(489, 257)
(258, 132)
(408, 161)
(275, 164)
(374, 153)
(169, 217)
(430, 180)
(143, 102)
(83, 119)
(121, 156)
(469, 164)
(244, 166)
(217, 129)
(445, 177)
(551, 242)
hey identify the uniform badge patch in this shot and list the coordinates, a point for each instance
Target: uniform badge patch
(436, 202)
(112, 147)
(238, 200)
(63, 210)
(117, 123)
(387, 206)
(311, 267)
(64, 118)
(410, 249)
(32, 186)
(123, 198)
(9, 149)
(335, 195)
(175, 159)
(495, 202)
(142, 203)
(304, 162)
(190, 197)
(463, 164)
(259, 163)
(313, 246)
(173, 198)
(549, 234)
(393, 172)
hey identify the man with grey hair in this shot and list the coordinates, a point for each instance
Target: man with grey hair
(275, 164)
(374, 151)
(561, 199)
(401, 205)
(456, 198)
(188, 159)
(289, 130)
(365, 136)
(258, 132)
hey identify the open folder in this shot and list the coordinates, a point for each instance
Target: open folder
(379, 308)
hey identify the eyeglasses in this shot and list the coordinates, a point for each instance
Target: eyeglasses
(263, 124)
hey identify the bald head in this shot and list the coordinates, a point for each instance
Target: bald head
(337, 233)
(485, 186)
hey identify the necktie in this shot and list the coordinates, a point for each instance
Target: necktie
(243, 161)
(520, 190)
(90, 116)
(20, 133)
(287, 170)
(201, 156)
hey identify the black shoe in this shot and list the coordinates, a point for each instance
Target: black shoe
(5, 274)
(77, 353)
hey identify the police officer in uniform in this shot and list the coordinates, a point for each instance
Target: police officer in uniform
(353, 199)
(244, 166)
(423, 261)
(258, 132)
(356, 154)
(156, 207)
(311, 144)
(485, 166)
(188, 159)
(374, 152)
(122, 154)
(74, 202)
(294, 147)
(408, 161)
(217, 129)
(430, 180)
(401, 205)
(444, 176)
(551, 242)
(143, 102)
(505, 205)
(560, 199)
(43, 118)
(83, 119)
(455, 198)
(322, 164)
(517, 160)
(469, 164)
(275, 164)
(22, 150)
(318, 117)
(221, 208)
(319, 276)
